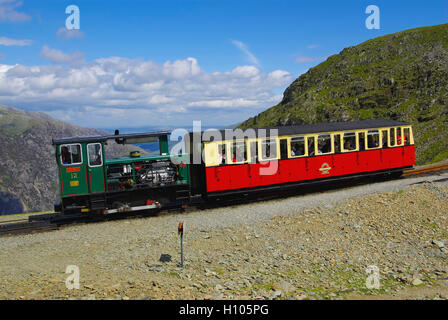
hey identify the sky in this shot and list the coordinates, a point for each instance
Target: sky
(139, 63)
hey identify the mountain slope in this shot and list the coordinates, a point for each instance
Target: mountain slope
(401, 76)
(28, 171)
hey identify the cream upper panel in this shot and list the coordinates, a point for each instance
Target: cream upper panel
(213, 157)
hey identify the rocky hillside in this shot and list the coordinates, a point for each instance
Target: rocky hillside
(28, 175)
(401, 76)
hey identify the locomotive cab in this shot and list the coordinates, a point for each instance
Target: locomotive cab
(81, 168)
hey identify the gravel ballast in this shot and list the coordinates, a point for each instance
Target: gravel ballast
(313, 246)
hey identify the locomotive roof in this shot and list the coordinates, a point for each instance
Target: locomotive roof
(109, 137)
(319, 127)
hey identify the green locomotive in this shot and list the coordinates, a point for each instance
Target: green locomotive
(90, 183)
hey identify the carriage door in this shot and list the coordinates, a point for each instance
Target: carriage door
(283, 149)
(282, 165)
(95, 167)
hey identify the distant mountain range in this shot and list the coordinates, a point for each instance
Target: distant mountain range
(28, 170)
(401, 76)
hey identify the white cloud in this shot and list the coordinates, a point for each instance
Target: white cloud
(279, 77)
(313, 46)
(59, 57)
(64, 33)
(118, 91)
(8, 11)
(240, 45)
(245, 71)
(14, 42)
(181, 68)
(232, 103)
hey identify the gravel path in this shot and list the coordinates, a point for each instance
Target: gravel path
(255, 212)
(312, 246)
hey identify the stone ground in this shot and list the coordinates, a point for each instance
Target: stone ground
(311, 246)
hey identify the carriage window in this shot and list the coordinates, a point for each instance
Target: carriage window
(71, 154)
(253, 152)
(297, 146)
(268, 149)
(324, 144)
(222, 153)
(337, 143)
(393, 141)
(238, 150)
(373, 138)
(94, 154)
(384, 139)
(399, 137)
(349, 141)
(407, 136)
(311, 149)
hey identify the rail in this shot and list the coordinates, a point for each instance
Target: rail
(426, 169)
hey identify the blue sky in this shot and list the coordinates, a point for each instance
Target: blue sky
(147, 63)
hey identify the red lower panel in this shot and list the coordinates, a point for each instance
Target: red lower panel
(243, 176)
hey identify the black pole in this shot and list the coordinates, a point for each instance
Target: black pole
(180, 231)
(181, 252)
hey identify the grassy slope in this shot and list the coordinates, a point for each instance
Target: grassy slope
(401, 76)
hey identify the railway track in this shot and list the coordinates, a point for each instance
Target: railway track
(51, 221)
(426, 169)
(26, 227)
(37, 223)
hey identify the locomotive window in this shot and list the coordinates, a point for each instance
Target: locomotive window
(373, 139)
(238, 150)
(349, 141)
(311, 149)
(384, 139)
(94, 155)
(337, 143)
(71, 154)
(222, 153)
(297, 146)
(407, 136)
(268, 149)
(324, 144)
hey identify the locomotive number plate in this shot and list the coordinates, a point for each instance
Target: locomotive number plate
(74, 183)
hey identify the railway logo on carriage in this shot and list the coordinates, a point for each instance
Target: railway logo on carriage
(325, 168)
